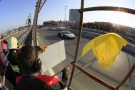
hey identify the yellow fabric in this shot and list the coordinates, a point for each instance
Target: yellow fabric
(106, 48)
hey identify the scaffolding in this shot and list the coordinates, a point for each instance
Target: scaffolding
(74, 63)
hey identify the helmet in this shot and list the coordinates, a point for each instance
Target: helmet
(12, 43)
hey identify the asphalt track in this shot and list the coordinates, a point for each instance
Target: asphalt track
(112, 75)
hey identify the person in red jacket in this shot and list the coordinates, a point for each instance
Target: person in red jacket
(31, 78)
(4, 45)
(2, 64)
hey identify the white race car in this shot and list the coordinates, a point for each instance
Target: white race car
(66, 34)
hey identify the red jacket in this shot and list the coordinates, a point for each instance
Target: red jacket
(41, 82)
(2, 65)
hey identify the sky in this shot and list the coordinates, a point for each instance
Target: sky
(14, 13)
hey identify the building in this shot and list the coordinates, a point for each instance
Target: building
(74, 15)
(51, 22)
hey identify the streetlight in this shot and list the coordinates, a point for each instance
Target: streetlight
(65, 11)
(42, 4)
(38, 6)
(29, 21)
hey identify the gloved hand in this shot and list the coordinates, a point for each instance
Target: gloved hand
(42, 48)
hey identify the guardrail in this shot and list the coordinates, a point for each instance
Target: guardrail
(11, 32)
(23, 38)
(15, 33)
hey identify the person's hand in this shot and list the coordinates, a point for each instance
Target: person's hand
(66, 68)
(42, 48)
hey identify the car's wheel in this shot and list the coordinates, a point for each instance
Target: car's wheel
(65, 37)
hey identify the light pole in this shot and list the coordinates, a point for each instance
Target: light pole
(65, 12)
(38, 6)
(35, 22)
(29, 21)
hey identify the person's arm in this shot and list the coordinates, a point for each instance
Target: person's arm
(63, 82)
(60, 84)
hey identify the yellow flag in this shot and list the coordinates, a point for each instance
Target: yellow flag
(106, 48)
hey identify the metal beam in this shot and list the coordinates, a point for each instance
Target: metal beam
(34, 31)
(108, 8)
(42, 4)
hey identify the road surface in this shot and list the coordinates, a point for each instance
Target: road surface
(113, 75)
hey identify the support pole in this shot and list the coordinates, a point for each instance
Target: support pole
(126, 77)
(34, 29)
(78, 43)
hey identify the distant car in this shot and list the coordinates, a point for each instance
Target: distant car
(51, 28)
(66, 34)
(39, 26)
(63, 27)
